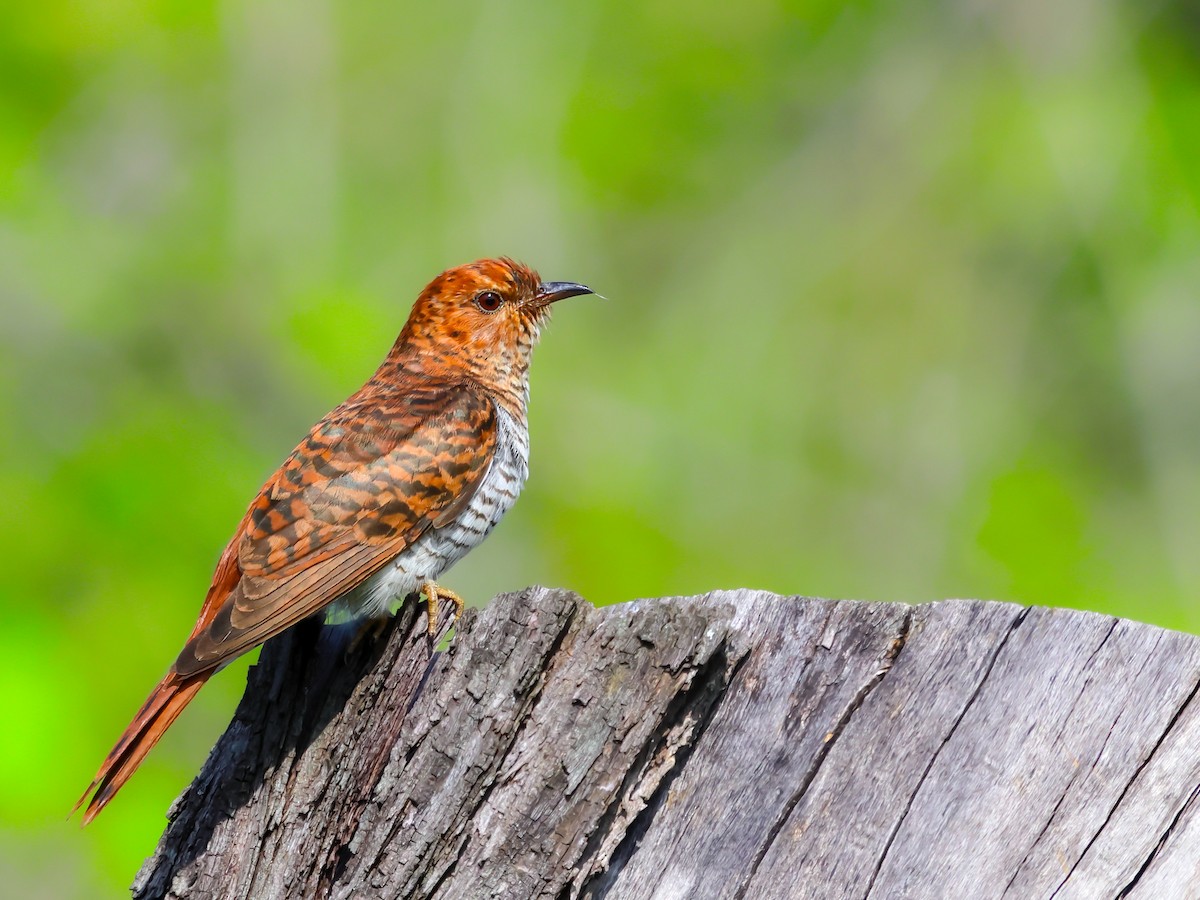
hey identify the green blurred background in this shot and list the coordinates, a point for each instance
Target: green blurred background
(902, 305)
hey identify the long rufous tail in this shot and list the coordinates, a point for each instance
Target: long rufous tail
(162, 707)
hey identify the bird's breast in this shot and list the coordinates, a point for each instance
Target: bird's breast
(440, 548)
(495, 496)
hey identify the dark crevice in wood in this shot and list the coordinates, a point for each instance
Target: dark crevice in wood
(1078, 771)
(1136, 775)
(1087, 665)
(286, 659)
(298, 688)
(856, 702)
(1121, 797)
(385, 739)
(385, 735)
(736, 744)
(448, 873)
(547, 665)
(1054, 813)
(1162, 842)
(343, 860)
(1089, 669)
(697, 703)
(995, 655)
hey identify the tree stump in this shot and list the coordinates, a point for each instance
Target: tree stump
(734, 745)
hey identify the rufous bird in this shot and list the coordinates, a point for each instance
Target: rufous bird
(385, 493)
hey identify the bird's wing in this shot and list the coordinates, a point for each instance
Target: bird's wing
(368, 480)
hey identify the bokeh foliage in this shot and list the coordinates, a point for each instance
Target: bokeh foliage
(902, 305)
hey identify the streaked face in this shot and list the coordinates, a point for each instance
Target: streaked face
(487, 314)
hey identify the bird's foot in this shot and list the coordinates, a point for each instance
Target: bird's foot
(434, 594)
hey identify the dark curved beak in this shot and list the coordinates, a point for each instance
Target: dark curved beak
(551, 291)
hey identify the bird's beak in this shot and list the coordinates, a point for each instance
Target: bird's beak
(551, 291)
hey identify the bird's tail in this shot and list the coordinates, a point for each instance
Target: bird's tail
(161, 708)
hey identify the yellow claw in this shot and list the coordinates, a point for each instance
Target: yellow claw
(434, 594)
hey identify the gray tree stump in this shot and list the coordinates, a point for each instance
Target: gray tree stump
(735, 745)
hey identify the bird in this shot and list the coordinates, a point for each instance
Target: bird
(382, 496)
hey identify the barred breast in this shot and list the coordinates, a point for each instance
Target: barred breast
(438, 549)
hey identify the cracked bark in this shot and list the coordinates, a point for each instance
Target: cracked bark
(735, 745)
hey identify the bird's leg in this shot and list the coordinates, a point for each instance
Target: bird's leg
(433, 594)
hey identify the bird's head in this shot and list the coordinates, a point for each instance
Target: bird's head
(482, 319)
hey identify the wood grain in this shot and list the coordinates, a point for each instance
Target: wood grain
(733, 745)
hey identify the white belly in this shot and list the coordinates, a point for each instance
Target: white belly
(438, 549)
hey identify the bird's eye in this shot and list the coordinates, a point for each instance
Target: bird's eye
(488, 301)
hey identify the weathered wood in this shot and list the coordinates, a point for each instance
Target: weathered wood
(735, 745)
